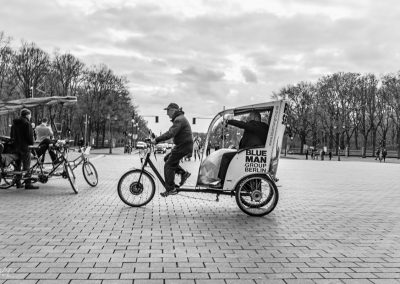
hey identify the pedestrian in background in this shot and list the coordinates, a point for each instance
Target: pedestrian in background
(196, 147)
(378, 152)
(384, 154)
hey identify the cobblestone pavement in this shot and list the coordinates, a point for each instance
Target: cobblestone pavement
(335, 222)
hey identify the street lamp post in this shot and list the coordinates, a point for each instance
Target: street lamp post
(336, 128)
(132, 140)
(339, 137)
(109, 128)
(134, 132)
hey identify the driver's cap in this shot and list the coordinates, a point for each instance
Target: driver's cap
(172, 106)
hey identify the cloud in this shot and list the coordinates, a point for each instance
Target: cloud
(198, 52)
(249, 75)
(200, 74)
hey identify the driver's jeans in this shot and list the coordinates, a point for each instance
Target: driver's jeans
(172, 167)
(25, 160)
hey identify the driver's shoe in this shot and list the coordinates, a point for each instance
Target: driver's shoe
(31, 186)
(169, 192)
(184, 177)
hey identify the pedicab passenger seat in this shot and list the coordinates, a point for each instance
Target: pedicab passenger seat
(209, 168)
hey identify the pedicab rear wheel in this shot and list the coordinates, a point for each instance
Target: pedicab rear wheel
(136, 192)
(256, 195)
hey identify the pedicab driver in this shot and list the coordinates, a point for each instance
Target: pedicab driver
(181, 133)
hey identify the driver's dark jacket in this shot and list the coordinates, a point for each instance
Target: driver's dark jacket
(22, 135)
(181, 133)
(255, 133)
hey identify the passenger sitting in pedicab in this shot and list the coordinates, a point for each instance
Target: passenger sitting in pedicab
(44, 135)
(255, 135)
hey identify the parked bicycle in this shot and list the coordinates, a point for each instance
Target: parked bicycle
(37, 172)
(88, 169)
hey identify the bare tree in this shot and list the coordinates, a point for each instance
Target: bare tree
(391, 96)
(366, 97)
(31, 65)
(68, 71)
(7, 79)
(301, 102)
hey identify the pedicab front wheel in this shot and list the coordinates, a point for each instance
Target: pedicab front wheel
(257, 195)
(136, 188)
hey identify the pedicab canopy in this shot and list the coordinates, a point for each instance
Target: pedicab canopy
(15, 105)
(256, 160)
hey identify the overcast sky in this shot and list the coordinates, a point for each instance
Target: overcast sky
(208, 54)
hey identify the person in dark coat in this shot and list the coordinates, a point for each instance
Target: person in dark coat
(255, 135)
(22, 135)
(181, 133)
(255, 131)
(384, 154)
(208, 151)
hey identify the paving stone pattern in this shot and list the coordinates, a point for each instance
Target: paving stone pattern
(336, 222)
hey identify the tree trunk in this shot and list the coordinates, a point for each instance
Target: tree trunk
(97, 134)
(104, 135)
(330, 137)
(398, 143)
(373, 137)
(303, 142)
(337, 140)
(365, 141)
(347, 145)
(356, 139)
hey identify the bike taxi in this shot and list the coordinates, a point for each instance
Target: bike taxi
(251, 172)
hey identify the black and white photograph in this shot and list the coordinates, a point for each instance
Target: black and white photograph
(199, 142)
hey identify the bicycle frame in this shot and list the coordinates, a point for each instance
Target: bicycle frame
(79, 160)
(148, 161)
(39, 165)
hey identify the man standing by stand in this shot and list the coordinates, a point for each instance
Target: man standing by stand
(22, 134)
(181, 133)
